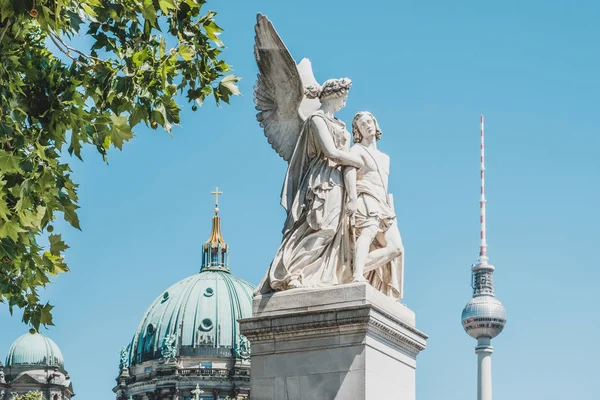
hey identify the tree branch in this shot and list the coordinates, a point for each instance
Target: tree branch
(66, 51)
(4, 29)
(69, 49)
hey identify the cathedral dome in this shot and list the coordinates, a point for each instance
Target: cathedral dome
(197, 316)
(188, 341)
(34, 349)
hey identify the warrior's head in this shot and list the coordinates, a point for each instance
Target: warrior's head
(365, 124)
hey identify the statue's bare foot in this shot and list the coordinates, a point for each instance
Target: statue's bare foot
(295, 284)
(359, 279)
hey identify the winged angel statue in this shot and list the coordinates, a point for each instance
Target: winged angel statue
(297, 115)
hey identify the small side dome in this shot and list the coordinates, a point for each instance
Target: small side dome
(484, 316)
(34, 349)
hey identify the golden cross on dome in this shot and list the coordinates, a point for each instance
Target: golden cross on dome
(216, 193)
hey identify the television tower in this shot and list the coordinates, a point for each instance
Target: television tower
(484, 317)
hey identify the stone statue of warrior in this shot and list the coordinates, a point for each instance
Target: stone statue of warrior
(378, 250)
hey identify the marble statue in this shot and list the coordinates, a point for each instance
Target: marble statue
(378, 250)
(319, 191)
(243, 350)
(124, 357)
(169, 347)
(315, 250)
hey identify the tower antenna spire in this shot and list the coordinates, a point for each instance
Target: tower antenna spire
(482, 201)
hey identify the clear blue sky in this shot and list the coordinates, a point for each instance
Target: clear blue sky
(426, 70)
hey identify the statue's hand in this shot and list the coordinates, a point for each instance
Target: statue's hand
(351, 207)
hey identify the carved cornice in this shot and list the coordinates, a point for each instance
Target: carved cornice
(386, 332)
(209, 381)
(365, 319)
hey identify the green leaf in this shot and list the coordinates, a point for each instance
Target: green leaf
(57, 245)
(75, 146)
(9, 162)
(139, 57)
(213, 31)
(166, 5)
(171, 109)
(186, 52)
(158, 115)
(4, 211)
(138, 114)
(229, 83)
(10, 229)
(46, 315)
(33, 219)
(149, 12)
(71, 215)
(120, 132)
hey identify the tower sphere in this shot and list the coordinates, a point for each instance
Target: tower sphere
(484, 316)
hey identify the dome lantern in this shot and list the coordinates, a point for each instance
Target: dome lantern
(214, 251)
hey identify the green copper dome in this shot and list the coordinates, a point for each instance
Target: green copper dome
(196, 316)
(35, 349)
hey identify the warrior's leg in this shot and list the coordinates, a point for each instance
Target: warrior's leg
(392, 250)
(361, 251)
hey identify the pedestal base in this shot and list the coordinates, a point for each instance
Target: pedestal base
(347, 342)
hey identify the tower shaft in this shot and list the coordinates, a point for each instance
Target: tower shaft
(484, 352)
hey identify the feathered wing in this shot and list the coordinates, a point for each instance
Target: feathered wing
(278, 91)
(308, 106)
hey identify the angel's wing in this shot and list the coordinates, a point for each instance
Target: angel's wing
(278, 91)
(308, 106)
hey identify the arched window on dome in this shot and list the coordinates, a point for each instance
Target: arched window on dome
(214, 257)
(148, 342)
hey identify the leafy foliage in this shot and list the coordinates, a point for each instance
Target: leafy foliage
(144, 54)
(36, 395)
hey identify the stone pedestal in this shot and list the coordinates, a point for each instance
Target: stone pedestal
(347, 342)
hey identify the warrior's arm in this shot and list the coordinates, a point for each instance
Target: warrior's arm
(326, 141)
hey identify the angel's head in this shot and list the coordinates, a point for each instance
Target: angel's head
(334, 91)
(365, 124)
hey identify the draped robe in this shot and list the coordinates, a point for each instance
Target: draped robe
(315, 248)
